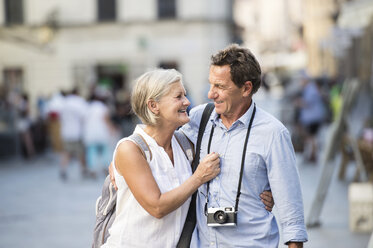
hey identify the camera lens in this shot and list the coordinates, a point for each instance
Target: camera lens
(220, 217)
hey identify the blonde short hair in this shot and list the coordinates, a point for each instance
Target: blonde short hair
(152, 85)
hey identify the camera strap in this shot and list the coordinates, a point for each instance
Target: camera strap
(242, 162)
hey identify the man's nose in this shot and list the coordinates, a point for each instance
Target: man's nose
(211, 94)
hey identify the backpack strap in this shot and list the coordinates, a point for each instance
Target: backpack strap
(185, 144)
(143, 145)
(191, 219)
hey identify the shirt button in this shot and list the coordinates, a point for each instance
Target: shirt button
(212, 243)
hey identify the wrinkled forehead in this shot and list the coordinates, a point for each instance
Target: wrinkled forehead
(175, 87)
(220, 74)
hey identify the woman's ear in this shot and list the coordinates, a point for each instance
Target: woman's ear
(153, 106)
(248, 88)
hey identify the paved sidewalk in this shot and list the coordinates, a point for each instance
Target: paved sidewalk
(38, 210)
(334, 230)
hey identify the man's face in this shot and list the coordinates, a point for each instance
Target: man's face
(226, 95)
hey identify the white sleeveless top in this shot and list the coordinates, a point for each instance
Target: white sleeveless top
(133, 226)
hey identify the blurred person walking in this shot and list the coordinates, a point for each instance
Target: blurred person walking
(72, 124)
(312, 115)
(24, 126)
(123, 118)
(53, 110)
(97, 134)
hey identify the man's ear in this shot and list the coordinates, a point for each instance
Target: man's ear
(153, 106)
(247, 88)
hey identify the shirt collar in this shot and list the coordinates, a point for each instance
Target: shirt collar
(244, 119)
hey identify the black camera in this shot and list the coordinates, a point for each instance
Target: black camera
(225, 216)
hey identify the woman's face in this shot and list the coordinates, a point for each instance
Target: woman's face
(173, 105)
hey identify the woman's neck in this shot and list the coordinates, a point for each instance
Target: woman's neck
(161, 135)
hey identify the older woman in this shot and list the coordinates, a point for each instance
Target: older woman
(153, 198)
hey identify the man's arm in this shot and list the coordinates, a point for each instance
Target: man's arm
(286, 189)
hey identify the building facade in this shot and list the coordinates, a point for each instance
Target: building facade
(47, 46)
(273, 30)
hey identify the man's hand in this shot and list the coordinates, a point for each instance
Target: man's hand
(267, 199)
(295, 244)
(112, 178)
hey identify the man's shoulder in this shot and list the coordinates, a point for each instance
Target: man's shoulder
(197, 110)
(267, 120)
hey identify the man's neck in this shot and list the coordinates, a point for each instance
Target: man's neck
(229, 119)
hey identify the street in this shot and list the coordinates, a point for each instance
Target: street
(38, 210)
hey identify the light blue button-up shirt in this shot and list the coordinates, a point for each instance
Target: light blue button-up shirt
(269, 165)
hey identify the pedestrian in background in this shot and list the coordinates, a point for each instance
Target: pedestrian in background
(312, 116)
(24, 124)
(53, 110)
(98, 132)
(72, 124)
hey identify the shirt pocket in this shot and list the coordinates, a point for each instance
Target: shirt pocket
(251, 167)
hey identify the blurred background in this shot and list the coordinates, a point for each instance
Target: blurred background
(66, 72)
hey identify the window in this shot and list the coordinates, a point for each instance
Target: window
(111, 76)
(166, 9)
(106, 10)
(13, 12)
(13, 79)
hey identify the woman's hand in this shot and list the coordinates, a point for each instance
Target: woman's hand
(111, 173)
(267, 199)
(208, 168)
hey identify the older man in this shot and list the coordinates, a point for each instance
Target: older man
(256, 154)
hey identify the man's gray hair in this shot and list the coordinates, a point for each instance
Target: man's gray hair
(243, 64)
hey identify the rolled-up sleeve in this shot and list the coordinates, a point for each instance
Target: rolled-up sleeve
(286, 189)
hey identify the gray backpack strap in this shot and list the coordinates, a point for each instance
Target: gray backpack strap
(185, 144)
(144, 147)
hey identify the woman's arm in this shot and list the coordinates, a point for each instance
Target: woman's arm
(132, 165)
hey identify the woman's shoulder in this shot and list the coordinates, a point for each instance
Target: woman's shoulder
(127, 146)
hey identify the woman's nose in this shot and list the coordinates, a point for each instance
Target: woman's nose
(186, 101)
